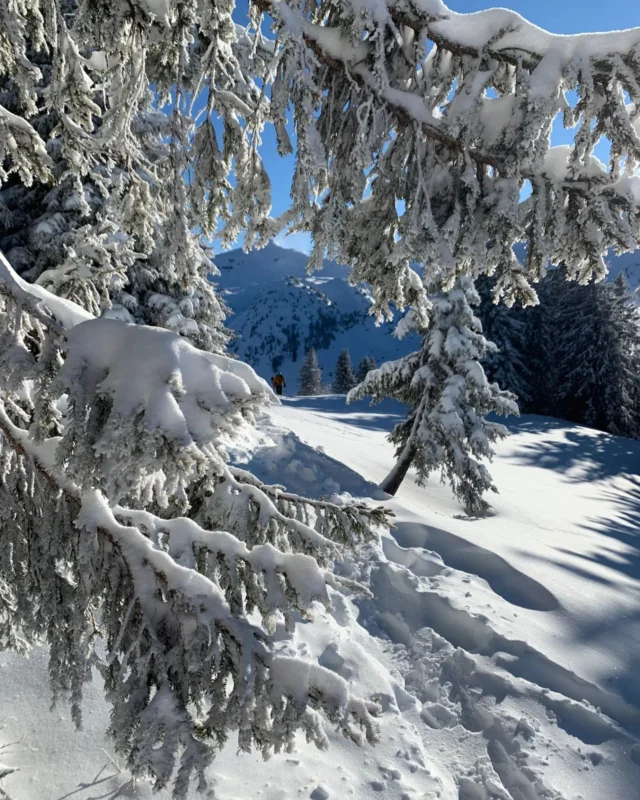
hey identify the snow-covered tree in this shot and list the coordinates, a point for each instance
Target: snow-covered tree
(624, 396)
(596, 341)
(122, 523)
(506, 327)
(451, 115)
(416, 130)
(108, 227)
(448, 394)
(344, 379)
(540, 345)
(310, 376)
(365, 365)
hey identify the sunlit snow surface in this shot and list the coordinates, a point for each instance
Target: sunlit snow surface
(505, 651)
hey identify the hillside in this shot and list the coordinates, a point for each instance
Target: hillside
(503, 651)
(279, 311)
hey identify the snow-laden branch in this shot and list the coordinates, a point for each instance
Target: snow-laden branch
(54, 312)
(506, 34)
(424, 136)
(496, 32)
(122, 519)
(178, 635)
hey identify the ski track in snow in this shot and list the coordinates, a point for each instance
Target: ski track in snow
(503, 651)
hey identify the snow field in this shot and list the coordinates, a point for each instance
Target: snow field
(502, 651)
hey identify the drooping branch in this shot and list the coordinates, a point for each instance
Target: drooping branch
(513, 46)
(424, 136)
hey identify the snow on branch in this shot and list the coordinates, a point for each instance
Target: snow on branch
(149, 393)
(22, 149)
(424, 136)
(54, 312)
(168, 627)
(113, 464)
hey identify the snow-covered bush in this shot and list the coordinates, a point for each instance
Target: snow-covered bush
(123, 522)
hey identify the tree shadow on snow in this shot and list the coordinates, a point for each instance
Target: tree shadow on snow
(581, 454)
(309, 472)
(616, 630)
(512, 585)
(306, 471)
(383, 416)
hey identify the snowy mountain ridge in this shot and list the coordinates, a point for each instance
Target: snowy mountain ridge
(280, 312)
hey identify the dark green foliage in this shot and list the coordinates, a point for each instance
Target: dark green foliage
(310, 377)
(365, 365)
(344, 379)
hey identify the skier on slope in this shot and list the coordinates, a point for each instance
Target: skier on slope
(278, 382)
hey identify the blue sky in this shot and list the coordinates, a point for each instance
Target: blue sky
(558, 16)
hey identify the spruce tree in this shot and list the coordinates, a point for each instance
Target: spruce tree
(131, 544)
(596, 348)
(623, 401)
(506, 327)
(365, 365)
(310, 376)
(105, 236)
(344, 379)
(448, 394)
(541, 343)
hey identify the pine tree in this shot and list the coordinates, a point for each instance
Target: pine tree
(365, 365)
(541, 343)
(447, 391)
(344, 379)
(310, 377)
(507, 329)
(105, 237)
(623, 408)
(60, 226)
(596, 345)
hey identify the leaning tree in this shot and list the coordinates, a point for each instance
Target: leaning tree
(421, 137)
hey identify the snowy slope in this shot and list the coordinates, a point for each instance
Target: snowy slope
(279, 312)
(504, 651)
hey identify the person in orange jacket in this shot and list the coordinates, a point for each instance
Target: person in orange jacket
(278, 382)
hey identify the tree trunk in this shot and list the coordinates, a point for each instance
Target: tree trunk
(394, 479)
(392, 482)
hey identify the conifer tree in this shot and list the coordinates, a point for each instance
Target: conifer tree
(506, 327)
(448, 394)
(123, 522)
(623, 410)
(310, 377)
(105, 236)
(596, 346)
(365, 365)
(541, 343)
(344, 379)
